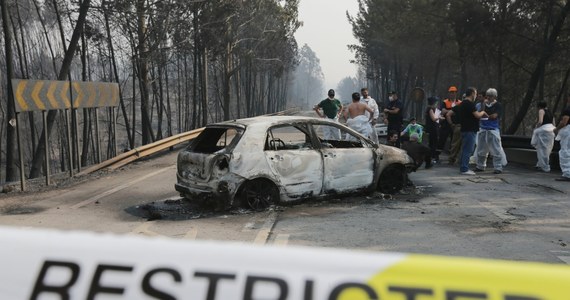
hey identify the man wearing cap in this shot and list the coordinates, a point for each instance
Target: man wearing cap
(447, 126)
(394, 112)
(331, 108)
(366, 99)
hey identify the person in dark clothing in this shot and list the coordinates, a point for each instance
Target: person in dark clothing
(432, 128)
(392, 139)
(468, 117)
(418, 152)
(394, 111)
(447, 128)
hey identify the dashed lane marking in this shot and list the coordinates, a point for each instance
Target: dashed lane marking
(281, 240)
(118, 188)
(562, 255)
(265, 230)
(192, 234)
(497, 211)
(144, 229)
(565, 259)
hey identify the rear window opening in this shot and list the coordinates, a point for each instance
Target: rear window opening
(214, 139)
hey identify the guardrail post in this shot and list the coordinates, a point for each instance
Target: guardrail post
(21, 154)
(97, 140)
(46, 162)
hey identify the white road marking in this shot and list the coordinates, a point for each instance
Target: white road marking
(265, 230)
(497, 211)
(281, 240)
(118, 188)
(565, 258)
(144, 229)
(192, 234)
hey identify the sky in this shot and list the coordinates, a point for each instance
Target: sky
(327, 31)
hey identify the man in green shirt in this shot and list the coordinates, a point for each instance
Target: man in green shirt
(332, 108)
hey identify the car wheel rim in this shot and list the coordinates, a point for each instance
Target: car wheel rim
(258, 196)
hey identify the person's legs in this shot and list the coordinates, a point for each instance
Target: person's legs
(444, 131)
(544, 144)
(467, 144)
(496, 149)
(482, 150)
(455, 144)
(564, 155)
(432, 142)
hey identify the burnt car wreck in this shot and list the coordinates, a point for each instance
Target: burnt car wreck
(261, 161)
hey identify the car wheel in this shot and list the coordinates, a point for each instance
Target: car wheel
(259, 194)
(392, 179)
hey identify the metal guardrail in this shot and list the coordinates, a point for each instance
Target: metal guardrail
(149, 149)
(522, 142)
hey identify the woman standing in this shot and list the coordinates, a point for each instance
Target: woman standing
(543, 137)
(432, 127)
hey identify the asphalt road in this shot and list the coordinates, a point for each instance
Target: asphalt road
(518, 215)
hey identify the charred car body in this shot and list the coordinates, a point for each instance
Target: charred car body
(259, 161)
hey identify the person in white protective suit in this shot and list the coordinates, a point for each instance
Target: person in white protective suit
(356, 117)
(563, 136)
(543, 137)
(489, 135)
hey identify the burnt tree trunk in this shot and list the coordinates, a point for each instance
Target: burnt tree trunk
(547, 52)
(39, 154)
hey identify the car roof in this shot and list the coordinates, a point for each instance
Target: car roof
(266, 121)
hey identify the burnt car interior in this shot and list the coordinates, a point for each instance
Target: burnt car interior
(288, 137)
(214, 139)
(339, 144)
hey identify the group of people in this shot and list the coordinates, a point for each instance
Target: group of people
(361, 115)
(472, 123)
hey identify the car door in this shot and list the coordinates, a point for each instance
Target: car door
(348, 163)
(294, 161)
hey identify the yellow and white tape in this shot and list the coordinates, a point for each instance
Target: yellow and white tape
(43, 264)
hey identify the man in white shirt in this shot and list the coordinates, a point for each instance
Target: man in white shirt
(374, 106)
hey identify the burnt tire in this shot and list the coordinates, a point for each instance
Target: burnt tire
(259, 194)
(392, 179)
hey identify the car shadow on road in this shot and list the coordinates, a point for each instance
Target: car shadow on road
(180, 209)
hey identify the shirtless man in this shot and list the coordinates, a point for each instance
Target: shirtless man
(355, 115)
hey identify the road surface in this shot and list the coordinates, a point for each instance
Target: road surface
(518, 215)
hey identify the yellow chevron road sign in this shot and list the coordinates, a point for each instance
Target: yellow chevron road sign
(41, 95)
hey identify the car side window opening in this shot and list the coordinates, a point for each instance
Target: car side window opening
(214, 139)
(352, 142)
(288, 137)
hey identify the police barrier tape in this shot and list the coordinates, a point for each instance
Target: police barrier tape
(38, 264)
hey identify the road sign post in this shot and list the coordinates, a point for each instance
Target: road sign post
(68, 96)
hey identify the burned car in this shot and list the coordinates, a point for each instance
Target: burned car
(259, 161)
